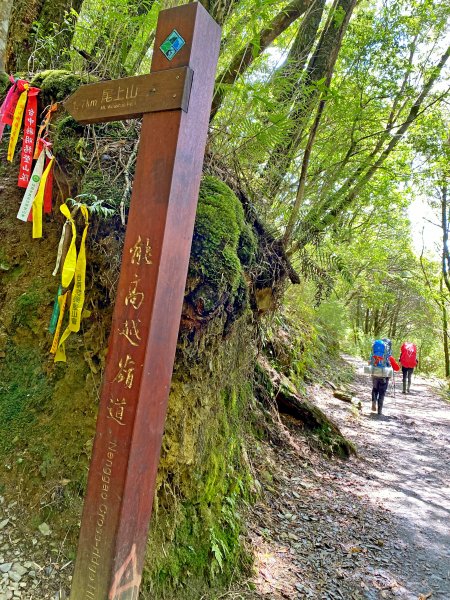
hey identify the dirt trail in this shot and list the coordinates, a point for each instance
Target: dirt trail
(376, 526)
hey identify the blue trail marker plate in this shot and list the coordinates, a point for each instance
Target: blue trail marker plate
(172, 45)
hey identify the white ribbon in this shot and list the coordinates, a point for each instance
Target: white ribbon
(31, 191)
(60, 248)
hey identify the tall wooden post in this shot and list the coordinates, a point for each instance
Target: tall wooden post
(146, 319)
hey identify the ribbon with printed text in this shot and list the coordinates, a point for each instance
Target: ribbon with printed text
(78, 292)
(29, 137)
(69, 262)
(38, 203)
(43, 128)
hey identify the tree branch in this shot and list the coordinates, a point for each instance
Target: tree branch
(245, 57)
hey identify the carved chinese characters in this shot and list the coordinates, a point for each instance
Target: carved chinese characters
(131, 96)
(141, 352)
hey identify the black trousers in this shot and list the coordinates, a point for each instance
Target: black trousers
(379, 388)
(407, 374)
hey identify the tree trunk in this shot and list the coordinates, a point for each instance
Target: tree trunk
(445, 332)
(300, 196)
(320, 67)
(219, 9)
(376, 322)
(292, 71)
(444, 225)
(272, 385)
(357, 321)
(445, 337)
(50, 16)
(5, 14)
(395, 319)
(367, 322)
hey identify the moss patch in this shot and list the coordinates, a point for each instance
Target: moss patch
(203, 476)
(223, 248)
(57, 85)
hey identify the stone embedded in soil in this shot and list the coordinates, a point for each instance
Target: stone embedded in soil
(5, 567)
(14, 576)
(44, 529)
(19, 569)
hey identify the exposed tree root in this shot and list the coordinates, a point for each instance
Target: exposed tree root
(271, 385)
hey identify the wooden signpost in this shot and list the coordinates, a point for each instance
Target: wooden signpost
(146, 318)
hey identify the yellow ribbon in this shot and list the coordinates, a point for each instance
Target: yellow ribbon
(38, 203)
(17, 122)
(68, 269)
(67, 273)
(78, 292)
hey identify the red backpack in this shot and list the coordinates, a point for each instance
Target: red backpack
(408, 353)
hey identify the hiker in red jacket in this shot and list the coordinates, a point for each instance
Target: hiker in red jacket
(408, 360)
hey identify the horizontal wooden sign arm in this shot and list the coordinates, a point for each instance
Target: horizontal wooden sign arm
(131, 97)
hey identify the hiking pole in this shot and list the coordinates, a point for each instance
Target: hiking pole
(395, 399)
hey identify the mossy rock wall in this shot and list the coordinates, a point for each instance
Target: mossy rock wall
(48, 411)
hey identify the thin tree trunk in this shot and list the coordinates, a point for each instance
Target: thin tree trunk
(5, 14)
(367, 322)
(445, 332)
(303, 175)
(376, 322)
(347, 193)
(320, 67)
(444, 225)
(445, 336)
(395, 320)
(358, 312)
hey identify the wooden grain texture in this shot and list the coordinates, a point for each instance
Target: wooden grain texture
(146, 320)
(131, 97)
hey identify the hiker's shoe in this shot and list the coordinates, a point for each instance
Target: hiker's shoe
(404, 392)
(374, 406)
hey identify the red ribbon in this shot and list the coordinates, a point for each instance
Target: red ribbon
(29, 137)
(11, 101)
(5, 105)
(48, 193)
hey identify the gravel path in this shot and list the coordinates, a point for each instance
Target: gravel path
(376, 526)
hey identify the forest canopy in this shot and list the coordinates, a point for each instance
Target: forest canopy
(328, 118)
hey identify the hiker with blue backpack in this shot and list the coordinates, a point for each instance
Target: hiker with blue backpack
(382, 364)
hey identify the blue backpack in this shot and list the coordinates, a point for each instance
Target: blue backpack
(381, 351)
